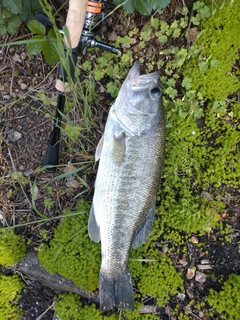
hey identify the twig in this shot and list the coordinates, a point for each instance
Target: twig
(41, 315)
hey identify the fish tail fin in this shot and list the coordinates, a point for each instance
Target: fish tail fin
(116, 292)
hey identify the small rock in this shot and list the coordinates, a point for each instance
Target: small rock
(207, 195)
(190, 273)
(200, 277)
(14, 95)
(23, 86)
(148, 309)
(204, 266)
(20, 94)
(14, 136)
(112, 36)
(188, 308)
(193, 33)
(227, 197)
(164, 248)
(168, 311)
(73, 184)
(28, 172)
(133, 41)
(6, 97)
(201, 314)
(36, 193)
(190, 293)
(205, 261)
(67, 169)
(16, 58)
(181, 296)
(183, 262)
(194, 239)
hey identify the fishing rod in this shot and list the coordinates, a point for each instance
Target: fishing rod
(84, 20)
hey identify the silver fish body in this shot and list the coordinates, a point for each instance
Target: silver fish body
(131, 154)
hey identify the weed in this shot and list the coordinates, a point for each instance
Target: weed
(13, 13)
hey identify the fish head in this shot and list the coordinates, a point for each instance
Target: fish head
(138, 106)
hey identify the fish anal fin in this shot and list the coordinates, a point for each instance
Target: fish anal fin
(99, 149)
(93, 228)
(116, 292)
(144, 231)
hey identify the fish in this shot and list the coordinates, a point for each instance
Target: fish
(131, 153)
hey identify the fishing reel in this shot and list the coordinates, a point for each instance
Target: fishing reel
(94, 16)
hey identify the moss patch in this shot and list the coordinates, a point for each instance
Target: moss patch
(212, 72)
(12, 248)
(68, 307)
(71, 253)
(227, 301)
(10, 288)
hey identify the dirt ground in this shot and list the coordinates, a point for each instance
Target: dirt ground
(25, 125)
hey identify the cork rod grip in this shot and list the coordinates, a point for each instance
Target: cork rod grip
(75, 20)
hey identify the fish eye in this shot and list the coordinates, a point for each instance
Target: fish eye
(155, 92)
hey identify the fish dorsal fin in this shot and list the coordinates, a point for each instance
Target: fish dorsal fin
(93, 227)
(144, 231)
(99, 149)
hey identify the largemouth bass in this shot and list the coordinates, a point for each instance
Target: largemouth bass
(131, 154)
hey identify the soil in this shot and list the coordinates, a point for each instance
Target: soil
(25, 126)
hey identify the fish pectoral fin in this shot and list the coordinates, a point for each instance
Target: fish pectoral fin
(119, 146)
(99, 149)
(93, 227)
(144, 231)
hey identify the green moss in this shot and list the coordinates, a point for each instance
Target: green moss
(71, 253)
(191, 167)
(68, 307)
(213, 74)
(10, 288)
(153, 275)
(12, 248)
(227, 301)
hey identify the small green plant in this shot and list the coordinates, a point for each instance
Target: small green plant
(14, 12)
(143, 6)
(156, 277)
(12, 248)
(42, 43)
(71, 253)
(212, 73)
(10, 289)
(227, 301)
(68, 307)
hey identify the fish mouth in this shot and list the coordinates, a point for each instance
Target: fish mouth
(140, 82)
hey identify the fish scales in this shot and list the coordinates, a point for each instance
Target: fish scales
(131, 160)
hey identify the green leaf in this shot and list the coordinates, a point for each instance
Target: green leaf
(50, 51)
(158, 4)
(13, 24)
(15, 6)
(187, 83)
(36, 27)
(35, 47)
(3, 30)
(143, 7)
(214, 63)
